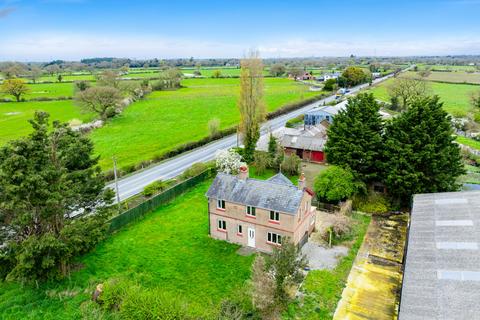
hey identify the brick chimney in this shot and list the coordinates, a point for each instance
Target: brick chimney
(301, 182)
(243, 173)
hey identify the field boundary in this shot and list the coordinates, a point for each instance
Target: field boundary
(137, 212)
(189, 146)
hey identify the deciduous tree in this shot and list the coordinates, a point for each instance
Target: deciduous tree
(420, 153)
(277, 70)
(285, 264)
(102, 100)
(355, 76)
(355, 138)
(251, 104)
(334, 184)
(35, 73)
(475, 100)
(404, 89)
(15, 88)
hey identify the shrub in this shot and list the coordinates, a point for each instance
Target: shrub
(294, 121)
(291, 164)
(154, 188)
(334, 184)
(372, 203)
(228, 161)
(261, 162)
(131, 301)
(194, 170)
(214, 127)
(339, 230)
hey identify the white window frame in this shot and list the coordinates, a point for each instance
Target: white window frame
(220, 204)
(239, 229)
(276, 216)
(252, 212)
(274, 238)
(222, 225)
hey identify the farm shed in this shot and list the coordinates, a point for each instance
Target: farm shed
(442, 268)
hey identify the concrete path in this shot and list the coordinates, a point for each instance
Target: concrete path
(375, 278)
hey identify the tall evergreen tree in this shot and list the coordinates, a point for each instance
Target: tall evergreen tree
(355, 138)
(420, 155)
(43, 179)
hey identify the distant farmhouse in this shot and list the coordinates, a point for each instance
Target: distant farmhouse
(308, 143)
(259, 213)
(304, 76)
(327, 76)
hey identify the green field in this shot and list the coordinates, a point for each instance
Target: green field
(469, 142)
(167, 119)
(169, 250)
(14, 116)
(47, 90)
(150, 127)
(454, 77)
(455, 97)
(433, 67)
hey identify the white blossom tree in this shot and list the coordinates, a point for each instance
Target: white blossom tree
(228, 161)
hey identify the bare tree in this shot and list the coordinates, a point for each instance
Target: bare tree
(109, 78)
(102, 100)
(214, 127)
(250, 104)
(403, 89)
(35, 73)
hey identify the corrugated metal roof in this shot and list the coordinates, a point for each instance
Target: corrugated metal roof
(304, 142)
(274, 194)
(442, 268)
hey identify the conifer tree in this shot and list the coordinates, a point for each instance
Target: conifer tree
(420, 153)
(355, 138)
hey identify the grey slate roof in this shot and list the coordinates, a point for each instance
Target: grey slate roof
(275, 194)
(281, 179)
(304, 142)
(442, 268)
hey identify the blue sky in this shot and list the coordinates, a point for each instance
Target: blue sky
(73, 29)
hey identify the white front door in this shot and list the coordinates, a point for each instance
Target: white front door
(251, 237)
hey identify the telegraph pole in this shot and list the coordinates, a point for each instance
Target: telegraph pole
(116, 179)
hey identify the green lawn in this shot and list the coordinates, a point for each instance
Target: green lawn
(14, 116)
(167, 119)
(168, 250)
(455, 97)
(323, 288)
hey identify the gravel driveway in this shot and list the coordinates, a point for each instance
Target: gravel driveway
(320, 257)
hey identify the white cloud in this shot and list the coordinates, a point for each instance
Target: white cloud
(76, 46)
